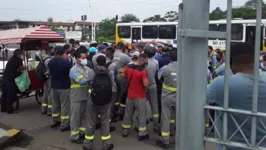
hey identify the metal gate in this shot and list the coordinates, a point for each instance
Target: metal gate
(191, 101)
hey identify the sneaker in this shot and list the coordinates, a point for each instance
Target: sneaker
(112, 128)
(64, 129)
(162, 145)
(125, 134)
(145, 137)
(85, 148)
(55, 124)
(110, 147)
(78, 141)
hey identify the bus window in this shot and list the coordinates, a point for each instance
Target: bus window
(167, 32)
(236, 33)
(124, 31)
(150, 32)
(213, 27)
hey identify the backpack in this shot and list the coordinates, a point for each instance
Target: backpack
(101, 87)
(108, 64)
(41, 70)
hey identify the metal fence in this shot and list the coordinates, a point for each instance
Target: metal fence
(191, 101)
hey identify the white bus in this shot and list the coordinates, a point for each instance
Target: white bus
(166, 32)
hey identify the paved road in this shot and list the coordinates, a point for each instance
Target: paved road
(41, 137)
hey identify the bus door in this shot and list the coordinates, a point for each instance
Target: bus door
(251, 35)
(136, 34)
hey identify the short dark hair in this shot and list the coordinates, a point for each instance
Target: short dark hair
(81, 50)
(59, 50)
(94, 45)
(159, 47)
(105, 44)
(66, 46)
(101, 60)
(71, 41)
(210, 47)
(76, 42)
(173, 55)
(17, 51)
(242, 53)
(120, 46)
(110, 51)
(142, 56)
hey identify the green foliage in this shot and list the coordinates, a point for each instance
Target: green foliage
(171, 16)
(107, 29)
(129, 18)
(155, 18)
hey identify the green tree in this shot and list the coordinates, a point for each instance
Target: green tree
(217, 14)
(171, 16)
(107, 29)
(155, 18)
(129, 18)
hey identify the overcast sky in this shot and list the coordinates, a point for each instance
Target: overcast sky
(71, 10)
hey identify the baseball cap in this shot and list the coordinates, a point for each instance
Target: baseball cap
(59, 49)
(101, 47)
(93, 50)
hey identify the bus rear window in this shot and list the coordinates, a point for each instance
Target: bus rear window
(213, 27)
(150, 32)
(124, 31)
(236, 31)
(167, 32)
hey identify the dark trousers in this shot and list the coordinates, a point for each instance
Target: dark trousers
(9, 95)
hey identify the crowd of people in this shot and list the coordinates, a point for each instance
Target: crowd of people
(90, 88)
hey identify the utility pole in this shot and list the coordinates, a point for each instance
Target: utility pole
(84, 18)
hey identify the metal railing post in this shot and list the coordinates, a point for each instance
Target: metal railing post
(193, 67)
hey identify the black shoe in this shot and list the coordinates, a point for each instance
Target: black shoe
(110, 147)
(64, 129)
(114, 120)
(82, 137)
(78, 141)
(147, 121)
(85, 148)
(125, 134)
(156, 130)
(121, 117)
(136, 129)
(145, 137)
(44, 113)
(112, 128)
(55, 124)
(162, 145)
(3, 110)
(98, 126)
(49, 115)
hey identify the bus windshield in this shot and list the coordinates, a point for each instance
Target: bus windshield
(236, 31)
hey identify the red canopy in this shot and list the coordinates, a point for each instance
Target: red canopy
(16, 36)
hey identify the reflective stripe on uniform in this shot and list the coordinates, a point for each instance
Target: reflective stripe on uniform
(121, 70)
(44, 105)
(117, 103)
(89, 90)
(155, 115)
(165, 133)
(82, 129)
(79, 78)
(172, 121)
(64, 117)
(142, 128)
(74, 132)
(210, 81)
(214, 67)
(207, 125)
(89, 137)
(104, 138)
(126, 126)
(50, 106)
(55, 115)
(172, 89)
(99, 116)
(122, 105)
(74, 86)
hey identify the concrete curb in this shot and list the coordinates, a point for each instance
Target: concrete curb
(7, 135)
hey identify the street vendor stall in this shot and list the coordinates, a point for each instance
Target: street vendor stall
(30, 40)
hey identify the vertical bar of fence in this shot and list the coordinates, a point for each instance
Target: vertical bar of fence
(256, 73)
(192, 92)
(227, 69)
